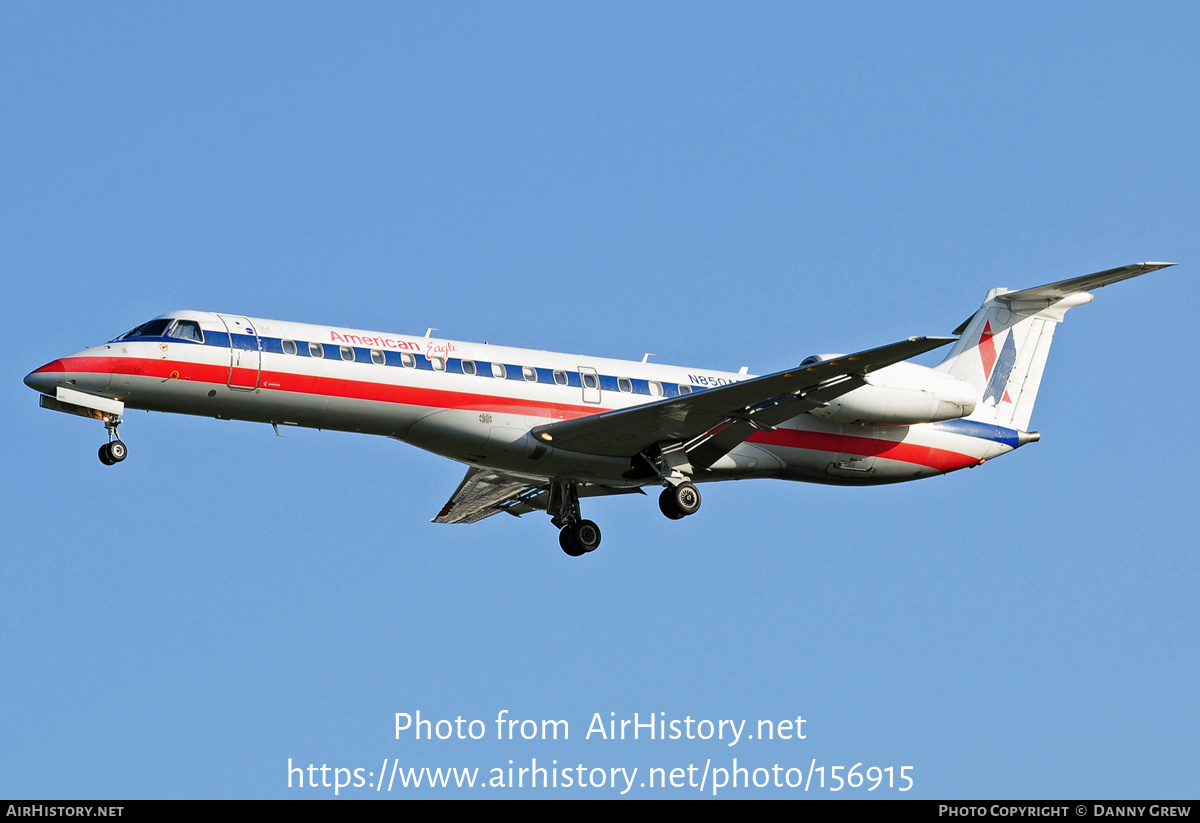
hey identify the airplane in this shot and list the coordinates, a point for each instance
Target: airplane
(540, 430)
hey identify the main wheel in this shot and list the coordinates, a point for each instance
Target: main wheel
(583, 536)
(105, 457)
(564, 541)
(666, 503)
(687, 498)
(117, 451)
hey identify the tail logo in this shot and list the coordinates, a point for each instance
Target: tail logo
(996, 370)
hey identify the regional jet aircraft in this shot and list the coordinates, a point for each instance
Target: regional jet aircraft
(538, 430)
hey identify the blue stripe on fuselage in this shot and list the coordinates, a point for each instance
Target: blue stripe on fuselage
(274, 345)
(984, 431)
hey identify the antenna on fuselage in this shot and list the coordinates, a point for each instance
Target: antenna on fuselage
(429, 332)
(646, 357)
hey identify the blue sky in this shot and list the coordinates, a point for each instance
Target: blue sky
(719, 185)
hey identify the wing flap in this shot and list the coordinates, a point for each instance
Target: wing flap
(753, 403)
(484, 492)
(481, 494)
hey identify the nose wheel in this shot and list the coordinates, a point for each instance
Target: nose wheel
(114, 451)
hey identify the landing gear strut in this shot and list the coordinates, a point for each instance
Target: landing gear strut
(114, 451)
(677, 502)
(576, 536)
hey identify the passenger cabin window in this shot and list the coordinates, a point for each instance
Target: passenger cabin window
(685, 389)
(624, 384)
(560, 377)
(468, 367)
(590, 381)
(316, 350)
(377, 357)
(347, 353)
(407, 360)
(289, 346)
(187, 330)
(498, 371)
(530, 374)
(656, 388)
(438, 363)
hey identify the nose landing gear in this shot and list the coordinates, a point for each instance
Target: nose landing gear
(114, 451)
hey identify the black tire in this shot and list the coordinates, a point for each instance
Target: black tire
(105, 457)
(666, 504)
(117, 451)
(584, 536)
(564, 541)
(687, 498)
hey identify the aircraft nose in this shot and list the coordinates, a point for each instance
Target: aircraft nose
(46, 378)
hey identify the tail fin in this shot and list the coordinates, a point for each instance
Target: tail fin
(1003, 347)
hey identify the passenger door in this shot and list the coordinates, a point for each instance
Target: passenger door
(245, 353)
(591, 384)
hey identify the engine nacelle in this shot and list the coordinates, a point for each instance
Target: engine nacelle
(903, 394)
(819, 358)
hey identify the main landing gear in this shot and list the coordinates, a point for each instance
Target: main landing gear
(114, 451)
(577, 539)
(678, 501)
(576, 536)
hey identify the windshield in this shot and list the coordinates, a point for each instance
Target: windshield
(154, 328)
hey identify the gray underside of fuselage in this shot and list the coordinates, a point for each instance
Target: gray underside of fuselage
(497, 441)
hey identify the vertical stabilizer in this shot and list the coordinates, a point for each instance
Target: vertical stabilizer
(1003, 348)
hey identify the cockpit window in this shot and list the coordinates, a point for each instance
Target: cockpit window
(187, 330)
(154, 328)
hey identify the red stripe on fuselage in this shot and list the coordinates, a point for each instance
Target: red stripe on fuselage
(326, 386)
(939, 459)
(52, 366)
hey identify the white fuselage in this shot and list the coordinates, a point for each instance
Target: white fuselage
(476, 403)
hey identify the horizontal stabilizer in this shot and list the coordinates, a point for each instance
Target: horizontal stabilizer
(1064, 288)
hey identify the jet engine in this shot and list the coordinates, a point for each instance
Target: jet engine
(901, 394)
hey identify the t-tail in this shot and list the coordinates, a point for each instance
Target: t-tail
(1002, 348)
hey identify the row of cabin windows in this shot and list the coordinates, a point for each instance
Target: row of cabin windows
(499, 370)
(190, 330)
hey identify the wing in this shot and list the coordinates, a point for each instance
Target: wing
(713, 421)
(484, 492)
(481, 494)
